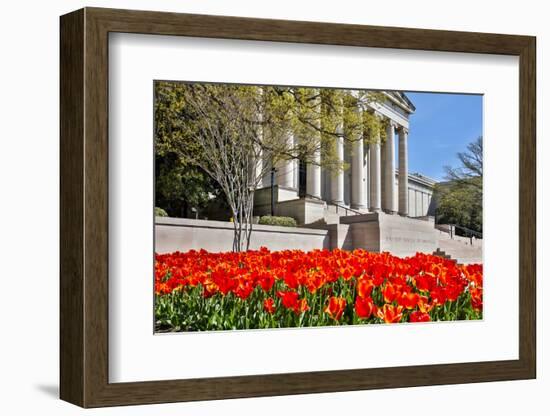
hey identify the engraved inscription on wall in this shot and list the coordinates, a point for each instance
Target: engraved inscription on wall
(407, 240)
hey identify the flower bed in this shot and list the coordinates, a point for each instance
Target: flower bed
(198, 290)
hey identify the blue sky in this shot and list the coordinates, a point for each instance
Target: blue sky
(442, 126)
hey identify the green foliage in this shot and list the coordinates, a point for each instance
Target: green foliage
(314, 116)
(460, 204)
(159, 212)
(460, 199)
(212, 140)
(190, 310)
(279, 221)
(179, 185)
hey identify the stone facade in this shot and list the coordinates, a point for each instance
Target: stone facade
(377, 178)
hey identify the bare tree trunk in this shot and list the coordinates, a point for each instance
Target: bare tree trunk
(250, 209)
(236, 242)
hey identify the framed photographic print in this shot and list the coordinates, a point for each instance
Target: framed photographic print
(252, 197)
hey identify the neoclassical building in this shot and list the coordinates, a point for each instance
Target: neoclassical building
(378, 178)
(376, 204)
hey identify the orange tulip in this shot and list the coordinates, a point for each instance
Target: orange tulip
(335, 307)
(390, 314)
(408, 300)
(364, 287)
(477, 298)
(301, 306)
(389, 292)
(424, 304)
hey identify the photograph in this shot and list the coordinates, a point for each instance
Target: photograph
(262, 191)
(290, 206)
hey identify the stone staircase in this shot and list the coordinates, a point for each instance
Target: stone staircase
(459, 248)
(333, 212)
(450, 246)
(441, 253)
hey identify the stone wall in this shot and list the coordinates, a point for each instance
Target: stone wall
(399, 235)
(340, 236)
(172, 234)
(375, 232)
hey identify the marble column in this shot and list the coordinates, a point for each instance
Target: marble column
(263, 160)
(403, 172)
(389, 174)
(337, 179)
(256, 173)
(258, 157)
(367, 174)
(285, 168)
(375, 182)
(313, 170)
(357, 168)
(358, 175)
(313, 176)
(266, 168)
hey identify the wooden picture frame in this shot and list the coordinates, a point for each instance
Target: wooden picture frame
(84, 207)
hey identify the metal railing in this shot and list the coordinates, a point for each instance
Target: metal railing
(469, 233)
(346, 210)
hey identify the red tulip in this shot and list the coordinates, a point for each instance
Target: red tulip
(438, 295)
(424, 283)
(269, 305)
(364, 307)
(288, 299)
(418, 316)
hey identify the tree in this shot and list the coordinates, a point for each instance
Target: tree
(179, 185)
(225, 128)
(460, 199)
(236, 134)
(470, 172)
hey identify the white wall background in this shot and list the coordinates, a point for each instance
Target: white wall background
(29, 160)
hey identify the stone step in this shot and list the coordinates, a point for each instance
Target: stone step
(463, 253)
(441, 253)
(460, 239)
